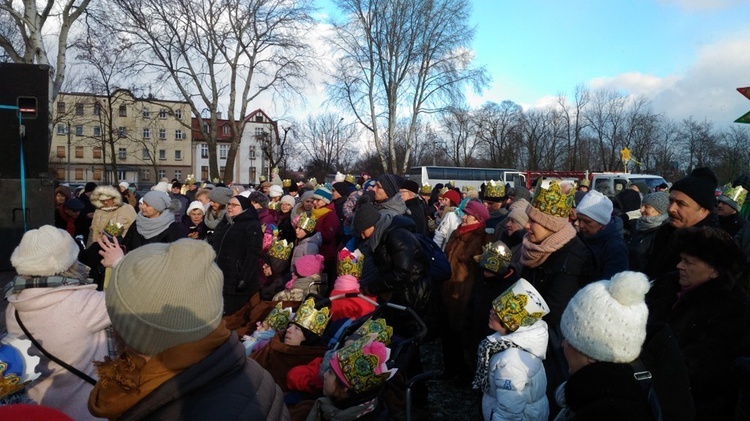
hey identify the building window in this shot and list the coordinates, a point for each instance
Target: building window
(146, 113)
(146, 133)
(61, 151)
(162, 134)
(97, 152)
(123, 111)
(61, 174)
(178, 114)
(60, 107)
(79, 130)
(221, 171)
(122, 175)
(79, 151)
(97, 108)
(204, 172)
(225, 129)
(252, 152)
(97, 174)
(178, 174)
(204, 151)
(146, 175)
(79, 109)
(206, 128)
(162, 174)
(163, 114)
(162, 154)
(178, 155)
(61, 129)
(122, 132)
(122, 154)
(146, 154)
(259, 132)
(97, 131)
(258, 118)
(178, 135)
(223, 149)
(79, 173)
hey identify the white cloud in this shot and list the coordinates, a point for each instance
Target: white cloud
(701, 5)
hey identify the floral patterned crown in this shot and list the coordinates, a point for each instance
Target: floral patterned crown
(520, 305)
(494, 190)
(279, 317)
(377, 327)
(311, 318)
(737, 194)
(350, 263)
(425, 189)
(495, 256)
(306, 223)
(280, 249)
(361, 366)
(551, 200)
(17, 366)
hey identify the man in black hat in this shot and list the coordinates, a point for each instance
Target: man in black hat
(386, 195)
(410, 193)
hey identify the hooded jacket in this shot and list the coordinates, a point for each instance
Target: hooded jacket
(120, 212)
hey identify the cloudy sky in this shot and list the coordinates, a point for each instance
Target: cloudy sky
(687, 56)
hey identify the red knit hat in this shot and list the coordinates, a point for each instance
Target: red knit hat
(453, 196)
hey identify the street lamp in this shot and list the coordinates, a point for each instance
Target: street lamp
(67, 163)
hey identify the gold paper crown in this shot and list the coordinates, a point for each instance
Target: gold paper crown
(520, 305)
(364, 370)
(737, 194)
(306, 223)
(464, 189)
(383, 333)
(349, 178)
(279, 317)
(311, 318)
(425, 189)
(552, 201)
(274, 206)
(286, 183)
(262, 178)
(280, 249)
(493, 190)
(495, 256)
(350, 264)
(444, 190)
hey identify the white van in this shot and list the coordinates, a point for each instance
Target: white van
(611, 184)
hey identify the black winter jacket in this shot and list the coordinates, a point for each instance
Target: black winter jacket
(238, 249)
(133, 239)
(416, 208)
(226, 385)
(665, 257)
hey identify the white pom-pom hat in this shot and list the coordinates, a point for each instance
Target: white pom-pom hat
(606, 320)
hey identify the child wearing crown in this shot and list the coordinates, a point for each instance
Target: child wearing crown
(510, 372)
(349, 271)
(275, 267)
(277, 319)
(308, 240)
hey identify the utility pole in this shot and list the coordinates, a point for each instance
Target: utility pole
(67, 164)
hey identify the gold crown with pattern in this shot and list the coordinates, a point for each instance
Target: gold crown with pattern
(551, 200)
(311, 318)
(350, 263)
(280, 249)
(495, 256)
(279, 317)
(383, 333)
(494, 190)
(425, 189)
(363, 365)
(286, 183)
(306, 223)
(520, 305)
(349, 178)
(737, 194)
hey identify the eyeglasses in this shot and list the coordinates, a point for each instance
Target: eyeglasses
(232, 205)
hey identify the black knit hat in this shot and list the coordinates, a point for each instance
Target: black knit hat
(410, 185)
(700, 186)
(342, 188)
(365, 217)
(244, 202)
(391, 184)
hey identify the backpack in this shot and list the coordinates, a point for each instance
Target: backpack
(440, 268)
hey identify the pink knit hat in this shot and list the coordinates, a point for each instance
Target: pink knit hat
(309, 265)
(346, 283)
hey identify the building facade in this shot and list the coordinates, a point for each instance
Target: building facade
(147, 138)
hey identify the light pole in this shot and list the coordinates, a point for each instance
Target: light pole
(67, 163)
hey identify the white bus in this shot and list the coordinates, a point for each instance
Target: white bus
(458, 176)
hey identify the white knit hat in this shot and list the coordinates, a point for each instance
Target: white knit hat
(288, 200)
(275, 191)
(596, 206)
(339, 177)
(195, 204)
(606, 320)
(44, 252)
(124, 184)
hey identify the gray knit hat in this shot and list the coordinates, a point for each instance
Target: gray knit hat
(164, 295)
(220, 195)
(157, 200)
(658, 200)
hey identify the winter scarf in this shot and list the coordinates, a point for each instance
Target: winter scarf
(324, 409)
(123, 382)
(75, 275)
(463, 228)
(151, 227)
(383, 223)
(533, 255)
(212, 219)
(647, 223)
(393, 206)
(488, 348)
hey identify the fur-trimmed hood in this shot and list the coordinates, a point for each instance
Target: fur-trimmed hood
(104, 192)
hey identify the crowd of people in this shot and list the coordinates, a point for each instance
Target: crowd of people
(281, 301)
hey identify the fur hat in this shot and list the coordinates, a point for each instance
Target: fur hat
(157, 200)
(323, 193)
(164, 295)
(103, 193)
(700, 186)
(518, 212)
(658, 200)
(596, 206)
(476, 209)
(365, 216)
(220, 195)
(259, 198)
(44, 252)
(606, 320)
(391, 184)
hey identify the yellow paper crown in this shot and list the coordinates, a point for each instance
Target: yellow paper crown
(306, 223)
(311, 318)
(494, 190)
(552, 201)
(279, 317)
(737, 194)
(383, 333)
(444, 190)
(274, 206)
(495, 256)
(520, 305)
(425, 189)
(464, 189)
(349, 178)
(286, 183)
(280, 249)
(350, 263)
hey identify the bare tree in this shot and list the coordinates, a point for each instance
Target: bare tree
(328, 143)
(699, 142)
(498, 126)
(459, 137)
(399, 60)
(221, 54)
(733, 152)
(575, 124)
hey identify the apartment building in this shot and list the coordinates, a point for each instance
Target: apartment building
(147, 138)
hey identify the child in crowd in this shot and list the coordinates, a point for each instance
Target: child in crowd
(509, 367)
(308, 240)
(349, 271)
(306, 278)
(277, 320)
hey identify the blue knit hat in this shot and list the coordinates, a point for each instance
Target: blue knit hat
(323, 194)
